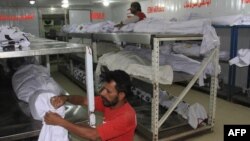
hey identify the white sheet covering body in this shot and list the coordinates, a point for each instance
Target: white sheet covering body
(31, 78)
(143, 56)
(242, 59)
(133, 65)
(33, 84)
(202, 26)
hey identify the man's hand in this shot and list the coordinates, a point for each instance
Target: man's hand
(51, 118)
(58, 101)
(120, 25)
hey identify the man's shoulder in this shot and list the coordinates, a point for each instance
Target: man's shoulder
(129, 109)
(141, 15)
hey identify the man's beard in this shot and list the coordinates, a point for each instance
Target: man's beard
(107, 103)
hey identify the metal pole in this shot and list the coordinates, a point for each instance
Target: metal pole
(184, 92)
(90, 86)
(213, 89)
(47, 62)
(155, 100)
(233, 53)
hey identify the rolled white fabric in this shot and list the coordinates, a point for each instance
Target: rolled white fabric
(242, 59)
(196, 115)
(39, 104)
(33, 84)
(30, 78)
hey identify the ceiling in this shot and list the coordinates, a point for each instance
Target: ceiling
(54, 3)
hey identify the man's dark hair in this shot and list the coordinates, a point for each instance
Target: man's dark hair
(122, 79)
(136, 5)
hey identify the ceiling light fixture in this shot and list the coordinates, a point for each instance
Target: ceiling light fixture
(106, 3)
(32, 2)
(65, 4)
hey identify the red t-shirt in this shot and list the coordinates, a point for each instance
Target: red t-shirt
(118, 124)
(141, 15)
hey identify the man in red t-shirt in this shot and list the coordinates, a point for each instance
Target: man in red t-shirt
(119, 121)
(135, 9)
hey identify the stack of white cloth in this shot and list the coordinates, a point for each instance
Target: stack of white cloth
(201, 26)
(178, 62)
(126, 28)
(133, 65)
(242, 59)
(13, 36)
(33, 84)
(106, 26)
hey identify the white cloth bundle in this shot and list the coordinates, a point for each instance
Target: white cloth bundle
(187, 49)
(242, 59)
(33, 84)
(31, 78)
(246, 20)
(13, 34)
(39, 104)
(106, 26)
(126, 28)
(196, 115)
(82, 28)
(133, 65)
(202, 26)
(228, 20)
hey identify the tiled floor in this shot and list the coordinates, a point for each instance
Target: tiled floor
(226, 112)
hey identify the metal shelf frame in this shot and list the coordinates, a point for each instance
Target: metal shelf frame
(154, 39)
(156, 123)
(30, 127)
(233, 53)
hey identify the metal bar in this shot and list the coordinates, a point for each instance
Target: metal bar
(187, 133)
(47, 63)
(233, 53)
(45, 50)
(141, 38)
(187, 88)
(180, 38)
(155, 100)
(94, 47)
(213, 89)
(248, 78)
(71, 65)
(90, 86)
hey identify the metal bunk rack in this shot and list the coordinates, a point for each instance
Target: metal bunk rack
(15, 123)
(233, 53)
(154, 40)
(85, 36)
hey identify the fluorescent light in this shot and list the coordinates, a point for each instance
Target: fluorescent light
(52, 9)
(32, 2)
(65, 2)
(106, 3)
(65, 5)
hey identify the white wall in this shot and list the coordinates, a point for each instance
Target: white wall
(29, 26)
(175, 8)
(79, 16)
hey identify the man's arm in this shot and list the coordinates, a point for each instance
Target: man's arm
(77, 100)
(58, 101)
(82, 131)
(132, 19)
(129, 20)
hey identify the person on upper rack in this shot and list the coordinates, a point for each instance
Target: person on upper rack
(119, 121)
(135, 9)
